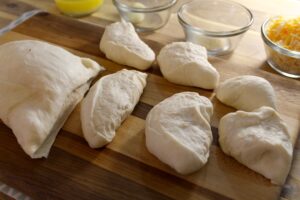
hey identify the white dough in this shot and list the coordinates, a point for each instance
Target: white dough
(122, 44)
(40, 84)
(186, 63)
(259, 140)
(246, 92)
(178, 131)
(109, 102)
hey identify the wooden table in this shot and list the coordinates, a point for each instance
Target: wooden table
(250, 52)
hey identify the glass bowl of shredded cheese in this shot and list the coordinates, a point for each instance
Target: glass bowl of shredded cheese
(282, 44)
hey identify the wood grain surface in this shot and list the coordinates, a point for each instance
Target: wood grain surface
(5, 197)
(125, 169)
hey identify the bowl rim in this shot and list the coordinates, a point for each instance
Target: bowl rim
(214, 33)
(165, 6)
(273, 45)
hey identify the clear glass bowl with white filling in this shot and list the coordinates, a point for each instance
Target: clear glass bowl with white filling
(145, 15)
(216, 24)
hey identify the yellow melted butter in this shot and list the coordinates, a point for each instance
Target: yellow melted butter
(78, 7)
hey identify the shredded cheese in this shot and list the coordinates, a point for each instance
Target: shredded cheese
(285, 32)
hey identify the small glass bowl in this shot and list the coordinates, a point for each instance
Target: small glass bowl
(145, 15)
(217, 25)
(282, 60)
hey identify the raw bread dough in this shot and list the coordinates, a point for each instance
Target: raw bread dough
(186, 63)
(122, 44)
(178, 131)
(40, 84)
(109, 102)
(259, 140)
(246, 93)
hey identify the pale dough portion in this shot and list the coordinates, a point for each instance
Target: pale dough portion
(109, 102)
(178, 131)
(246, 93)
(186, 63)
(259, 140)
(40, 84)
(122, 44)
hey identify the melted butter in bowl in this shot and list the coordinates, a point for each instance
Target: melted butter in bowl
(78, 8)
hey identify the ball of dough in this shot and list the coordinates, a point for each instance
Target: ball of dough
(109, 102)
(186, 63)
(259, 140)
(246, 93)
(178, 131)
(122, 44)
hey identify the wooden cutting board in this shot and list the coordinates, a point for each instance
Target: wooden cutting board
(125, 169)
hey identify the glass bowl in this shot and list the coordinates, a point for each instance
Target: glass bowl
(145, 15)
(217, 25)
(282, 60)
